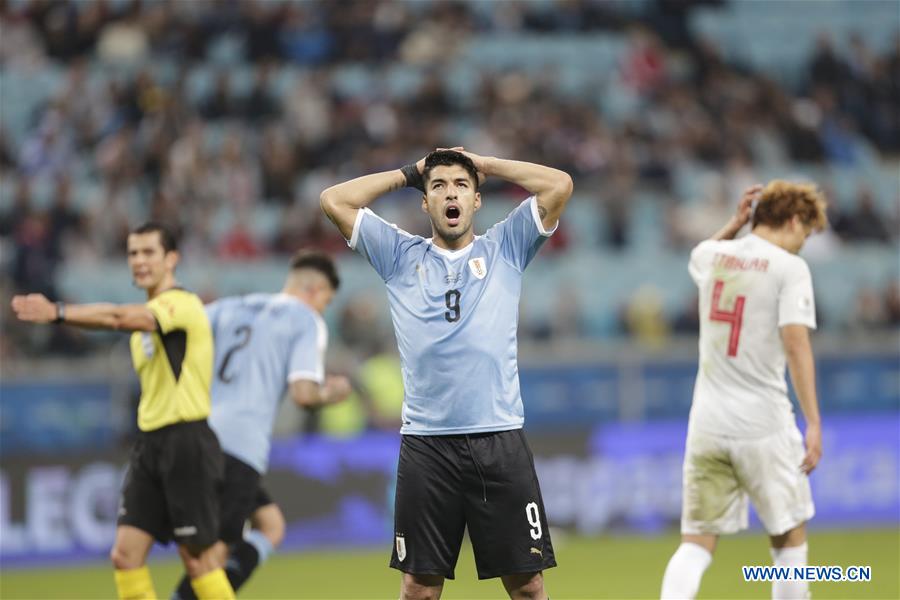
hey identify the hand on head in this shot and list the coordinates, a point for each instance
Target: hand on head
(745, 206)
(476, 159)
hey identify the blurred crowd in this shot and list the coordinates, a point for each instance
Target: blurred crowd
(136, 143)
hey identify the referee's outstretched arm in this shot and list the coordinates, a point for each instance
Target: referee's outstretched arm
(36, 308)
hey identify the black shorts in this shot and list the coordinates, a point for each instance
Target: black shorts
(485, 481)
(242, 494)
(173, 484)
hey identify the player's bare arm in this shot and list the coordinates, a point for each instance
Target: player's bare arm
(36, 308)
(552, 187)
(310, 394)
(798, 351)
(741, 216)
(341, 202)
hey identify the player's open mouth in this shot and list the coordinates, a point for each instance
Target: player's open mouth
(452, 213)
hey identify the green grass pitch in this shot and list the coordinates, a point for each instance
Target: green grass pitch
(605, 567)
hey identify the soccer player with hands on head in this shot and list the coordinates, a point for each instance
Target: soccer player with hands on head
(743, 444)
(464, 460)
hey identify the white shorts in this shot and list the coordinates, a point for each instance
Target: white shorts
(720, 473)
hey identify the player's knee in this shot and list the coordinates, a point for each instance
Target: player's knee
(529, 586)
(793, 537)
(421, 587)
(124, 559)
(198, 560)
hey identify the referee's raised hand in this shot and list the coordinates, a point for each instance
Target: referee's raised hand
(34, 308)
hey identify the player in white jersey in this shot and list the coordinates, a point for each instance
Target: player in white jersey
(454, 302)
(265, 345)
(756, 310)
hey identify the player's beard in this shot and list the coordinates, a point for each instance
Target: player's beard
(451, 234)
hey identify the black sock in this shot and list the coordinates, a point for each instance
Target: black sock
(242, 561)
(184, 590)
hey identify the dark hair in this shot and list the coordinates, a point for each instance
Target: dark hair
(166, 235)
(445, 158)
(317, 261)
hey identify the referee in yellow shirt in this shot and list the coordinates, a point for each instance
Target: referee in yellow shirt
(176, 467)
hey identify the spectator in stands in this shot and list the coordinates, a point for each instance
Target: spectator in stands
(35, 262)
(380, 381)
(220, 104)
(687, 321)
(262, 23)
(319, 234)
(48, 151)
(137, 140)
(235, 178)
(62, 216)
(259, 105)
(11, 219)
(279, 165)
(358, 326)
(825, 67)
(617, 205)
(644, 68)
(566, 319)
(644, 319)
(868, 311)
(7, 159)
(864, 223)
(123, 41)
(712, 205)
(892, 303)
(239, 243)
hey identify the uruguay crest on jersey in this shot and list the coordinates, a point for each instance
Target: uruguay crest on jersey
(478, 266)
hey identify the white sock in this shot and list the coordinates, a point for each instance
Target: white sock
(263, 546)
(794, 556)
(684, 571)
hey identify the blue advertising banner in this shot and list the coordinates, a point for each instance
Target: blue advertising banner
(582, 395)
(55, 416)
(340, 491)
(37, 416)
(629, 477)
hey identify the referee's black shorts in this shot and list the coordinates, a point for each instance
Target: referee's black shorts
(173, 485)
(242, 494)
(485, 481)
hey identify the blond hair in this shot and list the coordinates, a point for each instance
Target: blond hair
(780, 200)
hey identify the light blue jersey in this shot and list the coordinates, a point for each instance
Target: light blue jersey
(455, 316)
(263, 343)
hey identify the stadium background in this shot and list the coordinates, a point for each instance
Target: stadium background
(228, 118)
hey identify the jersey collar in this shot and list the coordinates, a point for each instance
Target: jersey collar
(452, 254)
